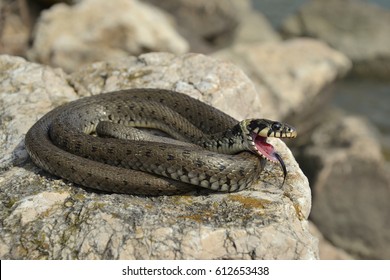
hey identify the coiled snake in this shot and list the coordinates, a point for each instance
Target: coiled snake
(61, 143)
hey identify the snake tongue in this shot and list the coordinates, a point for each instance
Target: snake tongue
(265, 149)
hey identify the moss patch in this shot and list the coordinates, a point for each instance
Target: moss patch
(250, 202)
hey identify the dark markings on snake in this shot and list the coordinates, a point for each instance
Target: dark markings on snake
(231, 142)
(64, 143)
(170, 157)
(185, 170)
(199, 163)
(78, 146)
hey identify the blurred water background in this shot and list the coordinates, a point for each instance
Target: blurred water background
(276, 11)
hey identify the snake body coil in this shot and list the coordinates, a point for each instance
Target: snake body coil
(61, 143)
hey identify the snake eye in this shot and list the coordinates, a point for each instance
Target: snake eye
(276, 126)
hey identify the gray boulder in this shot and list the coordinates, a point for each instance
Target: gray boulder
(14, 28)
(289, 76)
(206, 24)
(351, 185)
(358, 29)
(254, 27)
(327, 250)
(94, 30)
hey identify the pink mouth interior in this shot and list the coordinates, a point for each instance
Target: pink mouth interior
(266, 150)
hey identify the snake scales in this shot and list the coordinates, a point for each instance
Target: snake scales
(61, 143)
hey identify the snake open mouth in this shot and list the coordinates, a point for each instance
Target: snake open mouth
(265, 149)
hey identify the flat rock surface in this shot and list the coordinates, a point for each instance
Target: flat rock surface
(44, 217)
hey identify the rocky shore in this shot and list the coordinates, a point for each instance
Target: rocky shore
(334, 204)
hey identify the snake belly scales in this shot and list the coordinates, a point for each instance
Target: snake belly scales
(226, 155)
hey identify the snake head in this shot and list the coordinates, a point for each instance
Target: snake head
(256, 132)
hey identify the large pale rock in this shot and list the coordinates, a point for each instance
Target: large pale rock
(39, 89)
(288, 76)
(358, 29)
(46, 218)
(95, 30)
(351, 186)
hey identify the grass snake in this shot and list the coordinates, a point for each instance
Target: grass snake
(225, 154)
